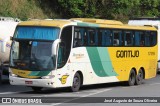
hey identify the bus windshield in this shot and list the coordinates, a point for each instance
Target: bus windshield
(32, 55)
(32, 48)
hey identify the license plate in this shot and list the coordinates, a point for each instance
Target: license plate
(28, 82)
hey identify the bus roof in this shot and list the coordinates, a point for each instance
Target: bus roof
(85, 22)
(99, 21)
(47, 22)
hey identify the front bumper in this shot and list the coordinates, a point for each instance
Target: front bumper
(35, 82)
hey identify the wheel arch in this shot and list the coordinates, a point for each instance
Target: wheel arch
(81, 76)
(143, 71)
(134, 70)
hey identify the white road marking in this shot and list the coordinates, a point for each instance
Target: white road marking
(55, 104)
(13, 92)
(154, 84)
(135, 86)
(8, 93)
(97, 92)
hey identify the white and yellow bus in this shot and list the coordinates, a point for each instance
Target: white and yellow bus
(81, 51)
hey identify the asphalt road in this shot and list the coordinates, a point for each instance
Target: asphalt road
(93, 94)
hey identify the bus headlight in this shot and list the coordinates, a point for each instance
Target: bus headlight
(11, 73)
(48, 77)
(14, 75)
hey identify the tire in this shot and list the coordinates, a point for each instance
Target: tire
(132, 78)
(139, 77)
(76, 83)
(36, 89)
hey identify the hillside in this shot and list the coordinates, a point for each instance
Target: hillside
(105, 9)
(24, 9)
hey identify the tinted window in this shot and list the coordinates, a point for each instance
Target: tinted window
(117, 40)
(128, 38)
(113, 37)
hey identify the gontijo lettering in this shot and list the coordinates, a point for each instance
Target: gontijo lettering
(127, 53)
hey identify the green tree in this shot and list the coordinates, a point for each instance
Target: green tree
(71, 8)
(77, 8)
(149, 7)
(124, 9)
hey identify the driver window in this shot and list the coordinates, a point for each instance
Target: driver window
(65, 46)
(61, 55)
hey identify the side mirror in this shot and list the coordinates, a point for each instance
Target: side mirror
(54, 46)
(11, 38)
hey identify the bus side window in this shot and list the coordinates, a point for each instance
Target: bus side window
(142, 39)
(106, 38)
(77, 37)
(153, 38)
(147, 38)
(103, 43)
(100, 37)
(92, 37)
(117, 40)
(128, 38)
(85, 38)
(137, 38)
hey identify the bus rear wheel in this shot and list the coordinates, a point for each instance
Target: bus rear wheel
(76, 83)
(132, 78)
(36, 89)
(139, 77)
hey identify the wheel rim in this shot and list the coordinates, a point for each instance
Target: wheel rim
(76, 82)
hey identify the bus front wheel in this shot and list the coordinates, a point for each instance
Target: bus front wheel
(76, 83)
(132, 78)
